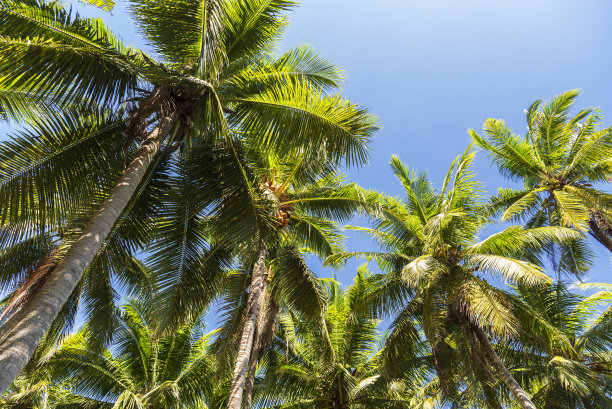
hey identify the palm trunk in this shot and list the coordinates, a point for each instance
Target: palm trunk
(250, 379)
(19, 342)
(521, 397)
(266, 327)
(248, 331)
(601, 229)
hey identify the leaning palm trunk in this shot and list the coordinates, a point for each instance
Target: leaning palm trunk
(266, 326)
(248, 331)
(601, 229)
(498, 366)
(19, 342)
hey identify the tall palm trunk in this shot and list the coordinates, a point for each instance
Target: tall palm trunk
(521, 397)
(248, 331)
(601, 229)
(247, 400)
(19, 342)
(266, 327)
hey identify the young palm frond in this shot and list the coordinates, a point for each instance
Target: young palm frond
(559, 160)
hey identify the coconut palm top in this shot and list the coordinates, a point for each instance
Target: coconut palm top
(138, 370)
(565, 344)
(90, 100)
(561, 160)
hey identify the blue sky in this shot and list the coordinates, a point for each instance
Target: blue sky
(432, 69)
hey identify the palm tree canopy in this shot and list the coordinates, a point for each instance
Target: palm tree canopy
(564, 345)
(561, 160)
(138, 370)
(437, 264)
(349, 373)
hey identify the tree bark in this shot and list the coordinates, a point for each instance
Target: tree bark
(521, 397)
(248, 331)
(19, 342)
(601, 229)
(250, 379)
(266, 328)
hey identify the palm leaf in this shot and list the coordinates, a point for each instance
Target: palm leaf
(515, 270)
(573, 214)
(287, 118)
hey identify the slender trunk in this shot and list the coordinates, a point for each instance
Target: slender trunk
(250, 379)
(521, 397)
(266, 328)
(248, 331)
(601, 229)
(20, 341)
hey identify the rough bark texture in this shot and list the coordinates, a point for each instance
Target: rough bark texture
(601, 229)
(521, 397)
(19, 342)
(248, 332)
(266, 328)
(247, 402)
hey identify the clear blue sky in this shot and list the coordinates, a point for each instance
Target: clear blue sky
(432, 69)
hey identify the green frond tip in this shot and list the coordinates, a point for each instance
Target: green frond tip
(106, 5)
(299, 116)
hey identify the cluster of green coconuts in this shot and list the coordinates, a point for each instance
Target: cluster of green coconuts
(551, 184)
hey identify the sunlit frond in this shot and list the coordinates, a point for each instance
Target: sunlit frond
(299, 117)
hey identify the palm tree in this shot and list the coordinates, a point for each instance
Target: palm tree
(139, 370)
(560, 161)
(564, 346)
(287, 208)
(218, 75)
(289, 287)
(339, 367)
(432, 237)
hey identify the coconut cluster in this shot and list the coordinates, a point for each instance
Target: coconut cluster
(283, 215)
(552, 184)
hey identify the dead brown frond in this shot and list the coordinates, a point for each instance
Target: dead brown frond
(33, 279)
(153, 106)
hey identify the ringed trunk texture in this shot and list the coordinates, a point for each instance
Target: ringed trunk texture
(247, 402)
(248, 332)
(20, 340)
(601, 229)
(264, 336)
(521, 397)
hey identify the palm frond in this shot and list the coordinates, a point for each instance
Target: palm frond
(297, 65)
(512, 269)
(252, 26)
(299, 117)
(511, 154)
